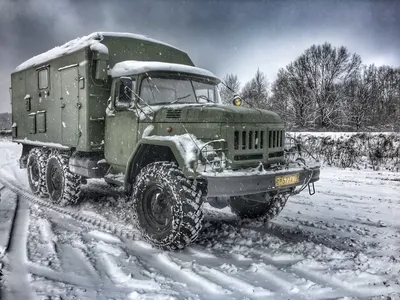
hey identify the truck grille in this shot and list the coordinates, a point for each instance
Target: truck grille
(174, 113)
(249, 139)
(275, 138)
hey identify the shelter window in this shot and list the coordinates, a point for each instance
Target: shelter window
(43, 79)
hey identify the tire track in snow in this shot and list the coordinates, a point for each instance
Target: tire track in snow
(118, 277)
(47, 235)
(120, 230)
(287, 266)
(231, 282)
(180, 277)
(16, 257)
(248, 270)
(8, 206)
(188, 274)
(286, 285)
(74, 261)
(102, 288)
(341, 287)
(130, 265)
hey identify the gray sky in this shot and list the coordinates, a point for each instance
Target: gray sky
(224, 36)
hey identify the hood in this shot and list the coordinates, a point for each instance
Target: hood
(214, 113)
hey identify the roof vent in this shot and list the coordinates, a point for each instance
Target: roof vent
(174, 113)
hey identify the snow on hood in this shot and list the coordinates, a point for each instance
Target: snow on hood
(93, 40)
(133, 67)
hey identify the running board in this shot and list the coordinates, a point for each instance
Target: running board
(114, 179)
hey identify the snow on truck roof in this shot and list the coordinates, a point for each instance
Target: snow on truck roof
(133, 67)
(93, 40)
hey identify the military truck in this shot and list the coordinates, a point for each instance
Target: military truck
(138, 113)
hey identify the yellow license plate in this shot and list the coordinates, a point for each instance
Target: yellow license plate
(287, 179)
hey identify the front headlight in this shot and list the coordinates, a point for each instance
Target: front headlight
(213, 155)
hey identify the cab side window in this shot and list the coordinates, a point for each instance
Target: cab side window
(43, 78)
(125, 93)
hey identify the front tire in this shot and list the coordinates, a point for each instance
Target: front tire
(63, 186)
(167, 206)
(245, 208)
(36, 169)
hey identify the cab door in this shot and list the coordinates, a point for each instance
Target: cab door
(121, 125)
(70, 106)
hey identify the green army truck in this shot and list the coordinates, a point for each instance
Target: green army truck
(138, 113)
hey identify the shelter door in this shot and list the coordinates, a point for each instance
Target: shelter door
(70, 106)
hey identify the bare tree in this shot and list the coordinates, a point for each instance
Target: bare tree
(361, 91)
(374, 98)
(233, 83)
(315, 84)
(291, 98)
(255, 92)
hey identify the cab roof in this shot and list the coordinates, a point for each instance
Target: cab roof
(134, 67)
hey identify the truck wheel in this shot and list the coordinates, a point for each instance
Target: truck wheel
(265, 211)
(64, 187)
(36, 168)
(167, 206)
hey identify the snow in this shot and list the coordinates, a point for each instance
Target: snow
(187, 144)
(341, 243)
(136, 36)
(91, 40)
(99, 48)
(39, 143)
(147, 131)
(133, 67)
(104, 237)
(257, 172)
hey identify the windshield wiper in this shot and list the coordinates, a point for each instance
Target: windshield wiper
(204, 97)
(180, 98)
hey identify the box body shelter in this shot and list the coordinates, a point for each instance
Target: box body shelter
(59, 98)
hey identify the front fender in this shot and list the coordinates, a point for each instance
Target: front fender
(155, 148)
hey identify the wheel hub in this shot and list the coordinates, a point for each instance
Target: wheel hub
(56, 179)
(34, 171)
(158, 208)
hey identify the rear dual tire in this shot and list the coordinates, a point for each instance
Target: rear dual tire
(36, 169)
(49, 176)
(64, 187)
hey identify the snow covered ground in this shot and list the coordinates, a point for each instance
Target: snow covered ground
(342, 243)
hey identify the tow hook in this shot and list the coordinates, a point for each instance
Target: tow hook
(311, 188)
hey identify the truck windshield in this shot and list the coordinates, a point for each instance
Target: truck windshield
(161, 90)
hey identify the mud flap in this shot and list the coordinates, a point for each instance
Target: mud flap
(311, 188)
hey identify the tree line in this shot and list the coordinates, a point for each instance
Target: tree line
(326, 88)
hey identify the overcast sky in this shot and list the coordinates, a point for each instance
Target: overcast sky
(224, 36)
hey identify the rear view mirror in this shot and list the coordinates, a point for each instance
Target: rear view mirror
(126, 86)
(126, 92)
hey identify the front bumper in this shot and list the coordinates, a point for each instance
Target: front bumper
(240, 183)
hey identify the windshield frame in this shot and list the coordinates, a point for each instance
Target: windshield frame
(182, 76)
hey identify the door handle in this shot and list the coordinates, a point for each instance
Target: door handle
(62, 105)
